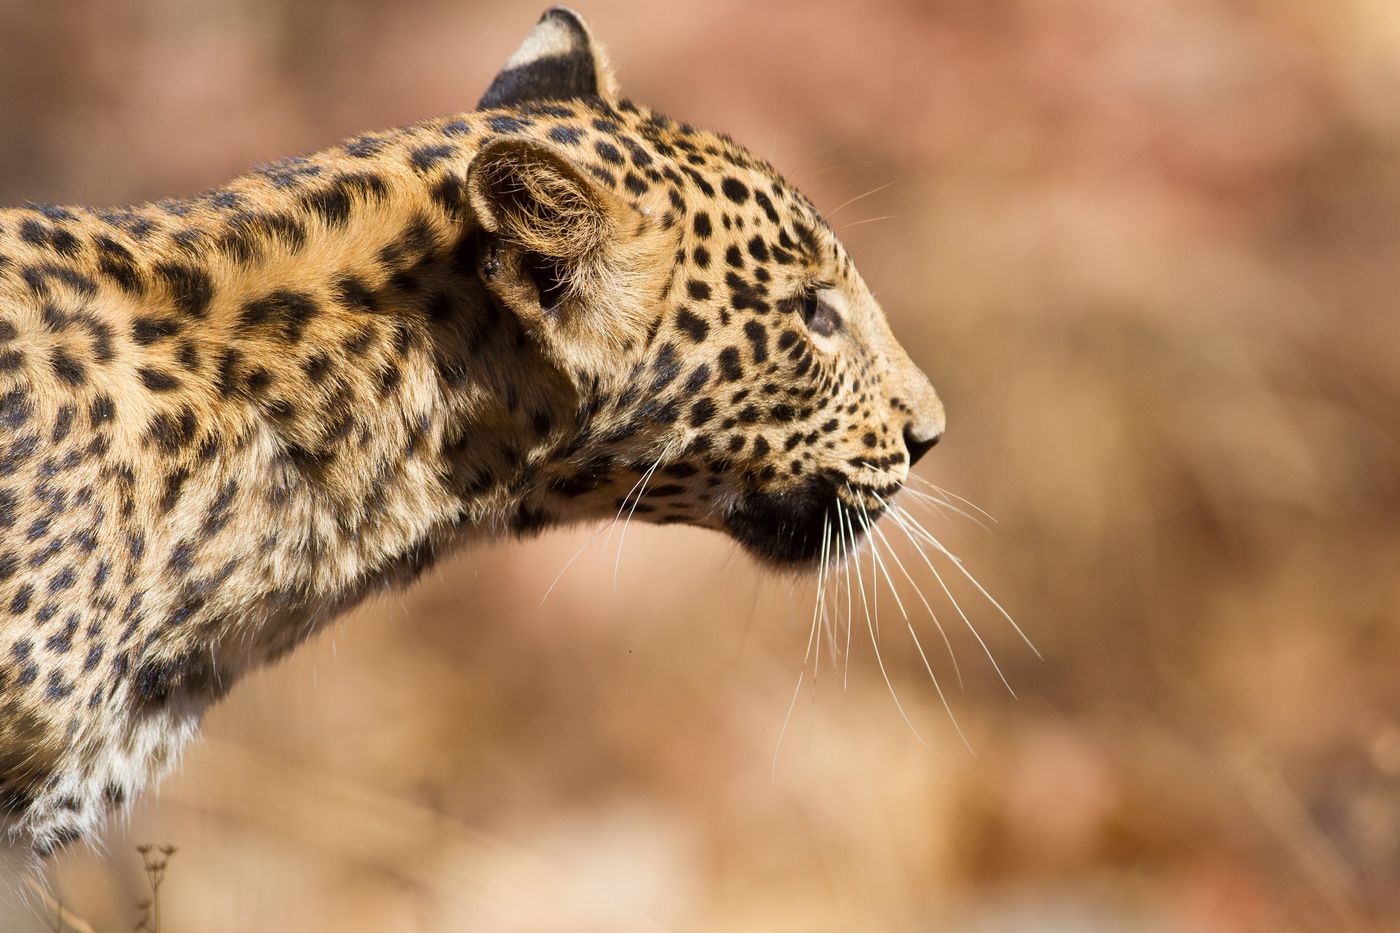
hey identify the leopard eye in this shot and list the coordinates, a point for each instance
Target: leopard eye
(819, 316)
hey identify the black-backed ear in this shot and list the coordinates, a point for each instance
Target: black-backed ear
(559, 60)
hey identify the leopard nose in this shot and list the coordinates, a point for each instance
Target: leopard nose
(916, 447)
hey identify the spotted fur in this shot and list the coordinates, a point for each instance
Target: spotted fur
(225, 419)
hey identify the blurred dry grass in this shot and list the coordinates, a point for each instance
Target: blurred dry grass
(1147, 252)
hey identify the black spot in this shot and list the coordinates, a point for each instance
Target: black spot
(363, 147)
(147, 330)
(156, 679)
(701, 411)
(507, 124)
(333, 202)
(174, 483)
(352, 292)
(694, 326)
(730, 370)
(67, 368)
(609, 152)
(698, 379)
(191, 289)
(450, 193)
(288, 310)
(424, 158)
(317, 367)
(667, 367)
(102, 410)
(157, 380)
(567, 135)
(734, 189)
(762, 200)
(15, 408)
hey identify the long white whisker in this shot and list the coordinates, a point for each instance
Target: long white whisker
(941, 504)
(594, 537)
(900, 519)
(874, 580)
(872, 528)
(919, 590)
(582, 547)
(812, 635)
(876, 645)
(822, 574)
(622, 538)
(778, 746)
(874, 549)
(807, 655)
(943, 491)
(829, 617)
(850, 596)
(868, 220)
(860, 197)
(939, 688)
(957, 562)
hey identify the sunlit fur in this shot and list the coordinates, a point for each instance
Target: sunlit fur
(226, 419)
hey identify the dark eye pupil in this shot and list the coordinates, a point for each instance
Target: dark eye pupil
(819, 316)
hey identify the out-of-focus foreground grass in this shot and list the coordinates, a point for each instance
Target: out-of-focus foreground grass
(1147, 251)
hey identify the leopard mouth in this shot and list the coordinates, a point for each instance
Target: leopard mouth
(799, 525)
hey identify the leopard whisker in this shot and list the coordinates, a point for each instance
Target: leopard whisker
(943, 506)
(622, 538)
(874, 556)
(937, 686)
(860, 197)
(874, 642)
(949, 494)
(822, 574)
(952, 717)
(900, 518)
(919, 590)
(816, 611)
(880, 561)
(792, 705)
(957, 562)
(850, 596)
(868, 220)
(807, 655)
(582, 547)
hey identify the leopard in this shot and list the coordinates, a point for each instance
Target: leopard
(226, 419)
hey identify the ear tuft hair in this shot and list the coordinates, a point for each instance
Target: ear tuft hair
(521, 189)
(559, 60)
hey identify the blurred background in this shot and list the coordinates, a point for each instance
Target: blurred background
(1147, 252)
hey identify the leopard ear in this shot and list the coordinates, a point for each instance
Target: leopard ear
(559, 60)
(570, 251)
(534, 198)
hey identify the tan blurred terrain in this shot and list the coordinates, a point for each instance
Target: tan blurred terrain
(1148, 251)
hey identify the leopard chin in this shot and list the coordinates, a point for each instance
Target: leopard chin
(797, 527)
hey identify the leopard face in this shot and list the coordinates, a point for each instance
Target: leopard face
(734, 369)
